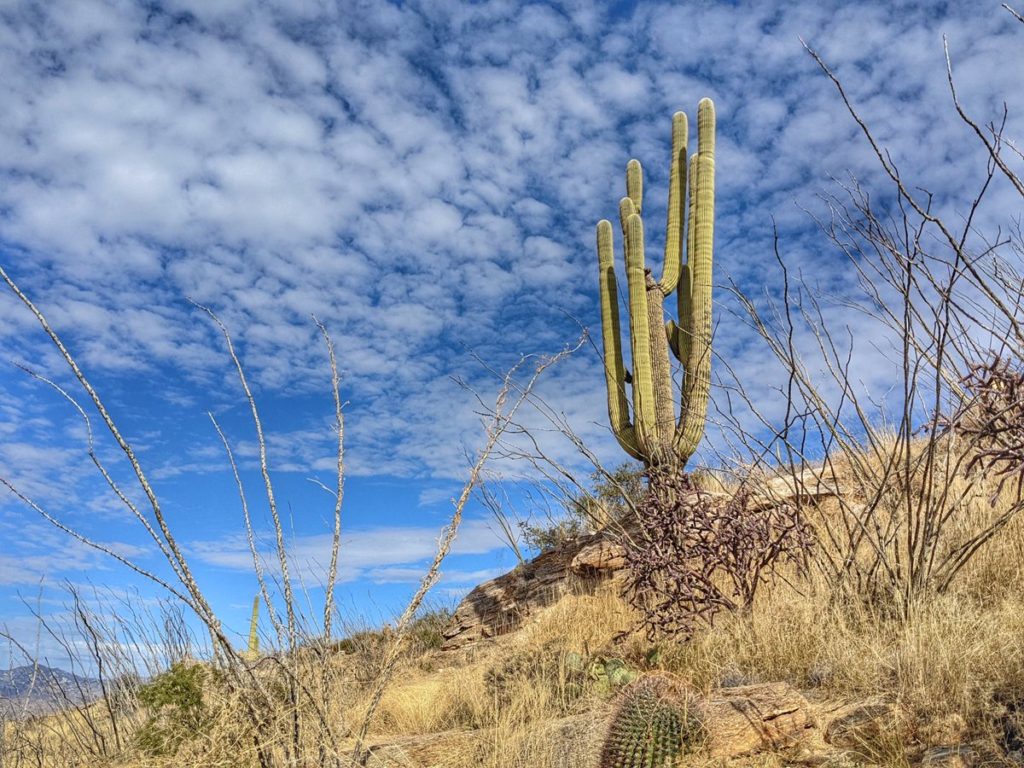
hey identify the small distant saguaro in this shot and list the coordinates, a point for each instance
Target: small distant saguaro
(253, 651)
(654, 433)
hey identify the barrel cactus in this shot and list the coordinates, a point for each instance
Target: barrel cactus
(654, 725)
(653, 433)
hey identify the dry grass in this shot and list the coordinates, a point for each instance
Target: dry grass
(955, 667)
(955, 664)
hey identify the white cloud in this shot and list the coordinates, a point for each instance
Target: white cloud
(425, 178)
(45, 554)
(384, 554)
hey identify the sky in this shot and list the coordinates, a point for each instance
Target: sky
(424, 178)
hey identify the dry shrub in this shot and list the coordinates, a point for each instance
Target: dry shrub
(583, 623)
(956, 659)
(993, 420)
(698, 554)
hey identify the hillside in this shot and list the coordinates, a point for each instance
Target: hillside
(35, 689)
(537, 679)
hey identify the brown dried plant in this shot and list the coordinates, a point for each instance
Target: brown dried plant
(699, 553)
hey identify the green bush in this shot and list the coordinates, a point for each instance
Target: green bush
(551, 534)
(426, 632)
(176, 708)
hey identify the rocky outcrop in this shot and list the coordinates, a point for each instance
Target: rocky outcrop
(807, 486)
(500, 605)
(579, 567)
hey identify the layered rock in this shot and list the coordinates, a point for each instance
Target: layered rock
(500, 605)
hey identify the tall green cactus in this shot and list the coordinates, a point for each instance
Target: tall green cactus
(655, 434)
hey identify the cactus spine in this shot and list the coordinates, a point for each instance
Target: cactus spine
(654, 434)
(253, 651)
(656, 722)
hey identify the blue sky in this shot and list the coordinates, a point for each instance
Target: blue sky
(424, 177)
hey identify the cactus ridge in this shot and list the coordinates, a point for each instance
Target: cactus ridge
(655, 724)
(651, 430)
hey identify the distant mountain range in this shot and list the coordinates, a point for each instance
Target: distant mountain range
(36, 689)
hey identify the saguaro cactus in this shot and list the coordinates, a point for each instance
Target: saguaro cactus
(253, 651)
(655, 434)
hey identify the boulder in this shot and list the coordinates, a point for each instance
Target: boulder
(862, 725)
(500, 605)
(748, 719)
(959, 756)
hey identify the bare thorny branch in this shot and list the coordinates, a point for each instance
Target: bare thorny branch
(511, 396)
(190, 593)
(904, 526)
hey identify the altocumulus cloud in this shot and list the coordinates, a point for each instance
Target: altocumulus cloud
(424, 177)
(373, 553)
